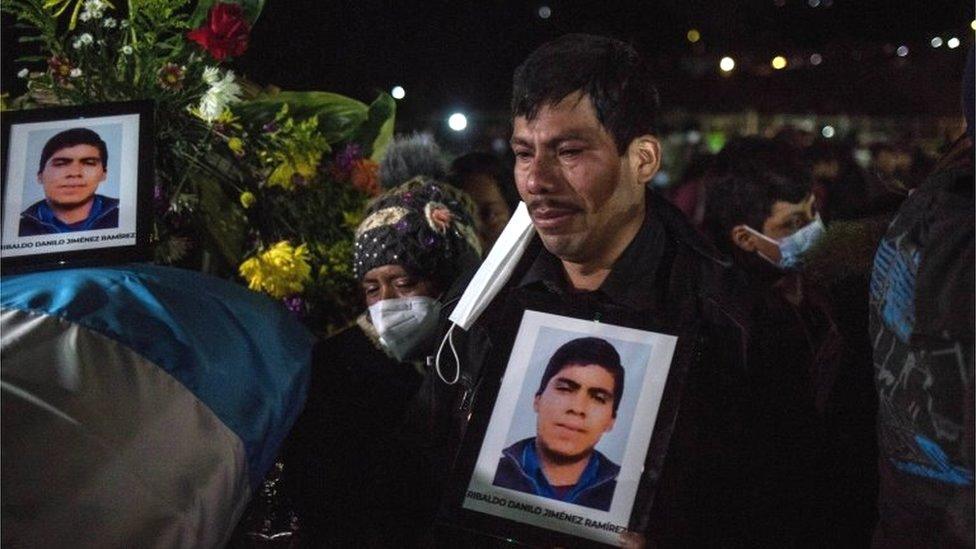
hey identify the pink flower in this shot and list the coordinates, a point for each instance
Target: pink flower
(439, 217)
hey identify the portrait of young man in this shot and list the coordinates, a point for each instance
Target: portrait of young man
(73, 164)
(575, 404)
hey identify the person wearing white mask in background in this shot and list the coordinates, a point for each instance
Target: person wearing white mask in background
(347, 465)
(811, 389)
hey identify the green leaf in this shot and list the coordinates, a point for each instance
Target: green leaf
(339, 116)
(252, 10)
(375, 134)
(225, 225)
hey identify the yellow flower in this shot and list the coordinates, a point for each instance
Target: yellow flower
(298, 169)
(248, 199)
(280, 271)
(236, 145)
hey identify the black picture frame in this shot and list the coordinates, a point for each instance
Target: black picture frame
(127, 130)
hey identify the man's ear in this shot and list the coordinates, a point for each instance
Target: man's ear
(645, 157)
(743, 238)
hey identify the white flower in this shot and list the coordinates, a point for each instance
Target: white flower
(211, 75)
(23, 73)
(84, 16)
(109, 23)
(93, 8)
(124, 24)
(75, 73)
(126, 50)
(222, 92)
(83, 40)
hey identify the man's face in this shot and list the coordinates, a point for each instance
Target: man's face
(580, 192)
(785, 218)
(574, 410)
(492, 209)
(71, 176)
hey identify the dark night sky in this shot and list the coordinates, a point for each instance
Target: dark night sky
(460, 55)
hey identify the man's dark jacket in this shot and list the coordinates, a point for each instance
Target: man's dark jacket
(596, 494)
(696, 477)
(39, 219)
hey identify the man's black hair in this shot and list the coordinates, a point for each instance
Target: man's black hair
(70, 138)
(586, 351)
(608, 71)
(748, 176)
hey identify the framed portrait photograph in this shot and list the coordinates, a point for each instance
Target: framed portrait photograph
(563, 451)
(77, 186)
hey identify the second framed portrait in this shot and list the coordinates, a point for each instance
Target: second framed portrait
(77, 185)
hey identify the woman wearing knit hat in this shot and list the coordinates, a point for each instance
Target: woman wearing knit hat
(413, 242)
(351, 470)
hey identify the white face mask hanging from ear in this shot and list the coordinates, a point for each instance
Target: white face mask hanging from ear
(793, 247)
(488, 281)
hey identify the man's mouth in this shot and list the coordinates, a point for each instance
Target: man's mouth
(549, 215)
(572, 428)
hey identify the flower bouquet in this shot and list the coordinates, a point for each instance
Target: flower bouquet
(256, 183)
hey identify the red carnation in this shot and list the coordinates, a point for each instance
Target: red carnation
(225, 33)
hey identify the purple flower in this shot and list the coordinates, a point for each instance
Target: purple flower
(402, 225)
(347, 156)
(270, 127)
(295, 304)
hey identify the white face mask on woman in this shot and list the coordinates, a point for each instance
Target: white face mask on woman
(405, 323)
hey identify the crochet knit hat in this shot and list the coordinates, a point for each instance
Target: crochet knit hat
(423, 225)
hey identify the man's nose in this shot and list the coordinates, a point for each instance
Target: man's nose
(577, 404)
(540, 177)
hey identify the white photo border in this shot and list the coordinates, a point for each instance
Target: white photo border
(575, 520)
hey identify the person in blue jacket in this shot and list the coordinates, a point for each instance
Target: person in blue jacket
(73, 165)
(576, 403)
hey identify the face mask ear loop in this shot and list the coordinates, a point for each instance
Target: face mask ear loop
(448, 337)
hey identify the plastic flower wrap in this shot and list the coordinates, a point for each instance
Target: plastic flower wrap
(280, 271)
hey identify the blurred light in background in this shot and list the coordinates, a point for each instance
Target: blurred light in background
(545, 12)
(953, 43)
(902, 51)
(827, 131)
(398, 92)
(778, 62)
(816, 59)
(936, 42)
(694, 36)
(726, 64)
(457, 122)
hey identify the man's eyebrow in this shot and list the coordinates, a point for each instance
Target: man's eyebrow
(565, 380)
(555, 141)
